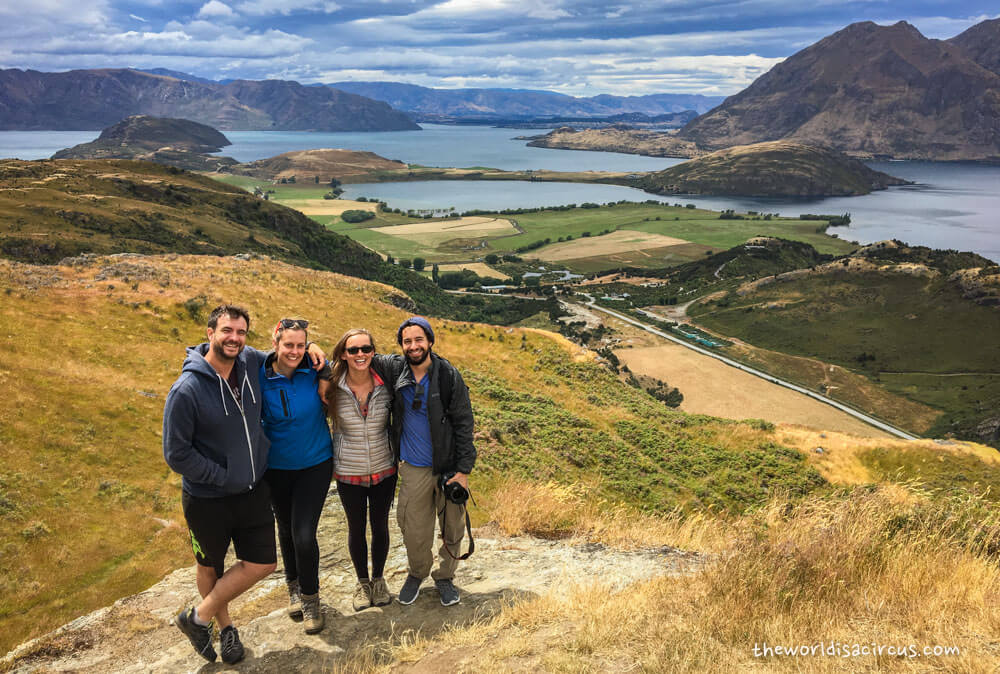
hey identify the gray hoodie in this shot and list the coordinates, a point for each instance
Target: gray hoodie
(213, 441)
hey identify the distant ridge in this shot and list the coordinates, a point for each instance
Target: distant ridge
(94, 99)
(870, 90)
(520, 103)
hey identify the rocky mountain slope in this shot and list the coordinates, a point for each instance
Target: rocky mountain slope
(871, 90)
(94, 99)
(982, 43)
(515, 103)
(175, 142)
(772, 169)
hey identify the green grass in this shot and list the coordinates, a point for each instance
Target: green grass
(926, 467)
(703, 228)
(912, 329)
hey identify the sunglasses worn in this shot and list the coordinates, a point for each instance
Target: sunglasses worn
(418, 394)
(353, 350)
(293, 323)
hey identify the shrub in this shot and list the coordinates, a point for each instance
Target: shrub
(356, 216)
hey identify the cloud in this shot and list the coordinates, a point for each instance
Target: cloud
(137, 18)
(287, 7)
(214, 8)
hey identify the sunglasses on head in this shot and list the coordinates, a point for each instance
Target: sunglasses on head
(293, 324)
(353, 350)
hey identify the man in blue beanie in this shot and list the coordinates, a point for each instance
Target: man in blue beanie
(432, 437)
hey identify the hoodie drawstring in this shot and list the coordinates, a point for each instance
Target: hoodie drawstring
(246, 382)
(222, 394)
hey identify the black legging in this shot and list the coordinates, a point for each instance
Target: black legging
(297, 498)
(375, 501)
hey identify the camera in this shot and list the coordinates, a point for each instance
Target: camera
(453, 491)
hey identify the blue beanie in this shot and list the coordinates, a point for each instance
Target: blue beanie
(415, 320)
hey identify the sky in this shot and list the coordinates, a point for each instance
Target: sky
(576, 47)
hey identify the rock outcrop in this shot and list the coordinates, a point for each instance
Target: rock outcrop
(774, 169)
(136, 634)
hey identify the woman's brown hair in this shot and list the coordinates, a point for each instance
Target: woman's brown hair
(339, 364)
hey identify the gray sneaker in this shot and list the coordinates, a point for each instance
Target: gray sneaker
(199, 636)
(380, 593)
(230, 646)
(448, 591)
(410, 590)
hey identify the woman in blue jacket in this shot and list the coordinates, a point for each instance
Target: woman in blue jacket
(300, 464)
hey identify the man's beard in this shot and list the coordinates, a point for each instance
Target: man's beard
(219, 349)
(417, 361)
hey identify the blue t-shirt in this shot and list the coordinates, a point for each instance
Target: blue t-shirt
(415, 444)
(292, 417)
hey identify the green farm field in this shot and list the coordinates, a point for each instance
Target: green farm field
(700, 231)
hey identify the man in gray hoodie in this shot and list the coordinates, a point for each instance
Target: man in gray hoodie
(212, 436)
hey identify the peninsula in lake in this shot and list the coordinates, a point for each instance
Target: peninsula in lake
(773, 169)
(174, 142)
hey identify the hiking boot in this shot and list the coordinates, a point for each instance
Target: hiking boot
(448, 592)
(410, 590)
(312, 613)
(363, 595)
(230, 646)
(380, 593)
(294, 600)
(199, 636)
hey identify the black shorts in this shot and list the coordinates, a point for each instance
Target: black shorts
(244, 519)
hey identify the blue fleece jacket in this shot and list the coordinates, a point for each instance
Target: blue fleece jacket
(214, 442)
(293, 418)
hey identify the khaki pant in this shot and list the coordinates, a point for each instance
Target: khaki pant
(420, 503)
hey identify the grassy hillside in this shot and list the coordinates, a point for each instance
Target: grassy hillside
(91, 512)
(907, 321)
(55, 209)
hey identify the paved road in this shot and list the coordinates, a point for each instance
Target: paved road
(763, 375)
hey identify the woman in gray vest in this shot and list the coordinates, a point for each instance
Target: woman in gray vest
(363, 464)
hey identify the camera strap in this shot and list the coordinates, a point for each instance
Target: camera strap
(468, 530)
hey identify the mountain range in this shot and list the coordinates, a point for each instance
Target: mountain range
(870, 90)
(94, 99)
(424, 102)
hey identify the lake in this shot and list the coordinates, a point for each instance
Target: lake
(954, 205)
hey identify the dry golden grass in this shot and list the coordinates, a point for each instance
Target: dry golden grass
(480, 268)
(712, 387)
(470, 226)
(888, 567)
(621, 241)
(840, 461)
(549, 510)
(328, 206)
